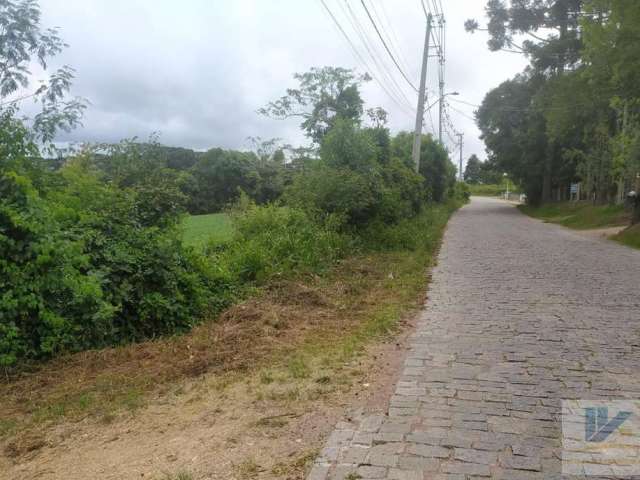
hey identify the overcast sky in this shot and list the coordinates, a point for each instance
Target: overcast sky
(196, 70)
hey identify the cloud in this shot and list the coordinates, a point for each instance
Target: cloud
(197, 71)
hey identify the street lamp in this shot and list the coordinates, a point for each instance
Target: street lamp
(452, 94)
(507, 179)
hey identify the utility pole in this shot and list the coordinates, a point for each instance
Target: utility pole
(441, 54)
(440, 108)
(417, 135)
(460, 137)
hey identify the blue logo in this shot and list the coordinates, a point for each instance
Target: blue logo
(598, 427)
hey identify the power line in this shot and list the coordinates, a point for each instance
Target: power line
(381, 65)
(386, 46)
(462, 113)
(357, 54)
(393, 46)
(398, 43)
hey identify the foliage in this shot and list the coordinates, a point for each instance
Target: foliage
(324, 95)
(412, 233)
(220, 176)
(273, 241)
(325, 191)
(574, 114)
(23, 42)
(478, 172)
(85, 264)
(492, 190)
(435, 166)
(561, 18)
(357, 179)
(45, 277)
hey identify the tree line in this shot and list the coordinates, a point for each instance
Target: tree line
(573, 115)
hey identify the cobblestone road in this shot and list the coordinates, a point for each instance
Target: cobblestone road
(520, 315)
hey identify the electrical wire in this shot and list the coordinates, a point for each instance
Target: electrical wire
(404, 75)
(394, 49)
(461, 113)
(398, 43)
(357, 54)
(379, 63)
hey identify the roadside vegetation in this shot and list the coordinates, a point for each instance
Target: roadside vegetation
(580, 215)
(303, 327)
(129, 268)
(630, 236)
(587, 216)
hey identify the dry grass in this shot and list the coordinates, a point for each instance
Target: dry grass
(295, 336)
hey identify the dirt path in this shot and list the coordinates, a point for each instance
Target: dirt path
(205, 429)
(521, 316)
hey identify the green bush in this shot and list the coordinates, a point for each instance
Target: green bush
(86, 264)
(343, 193)
(272, 241)
(48, 290)
(415, 233)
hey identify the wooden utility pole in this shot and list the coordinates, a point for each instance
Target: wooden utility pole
(460, 137)
(417, 134)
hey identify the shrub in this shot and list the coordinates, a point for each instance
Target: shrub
(272, 240)
(416, 233)
(343, 193)
(85, 264)
(48, 292)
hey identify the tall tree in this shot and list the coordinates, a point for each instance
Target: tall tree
(473, 170)
(323, 96)
(514, 133)
(551, 29)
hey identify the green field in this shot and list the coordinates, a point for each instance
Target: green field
(491, 190)
(200, 229)
(579, 215)
(629, 237)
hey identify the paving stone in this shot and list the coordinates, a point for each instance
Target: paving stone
(520, 316)
(367, 471)
(429, 451)
(466, 468)
(475, 456)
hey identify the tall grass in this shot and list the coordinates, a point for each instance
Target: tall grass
(579, 215)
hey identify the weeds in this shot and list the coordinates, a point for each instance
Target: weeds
(179, 476)
(248, 469)
(579, 215)
(328, 321)
(629, 237)
(298, 367)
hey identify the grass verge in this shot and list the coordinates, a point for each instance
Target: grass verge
(294, 336)
(629, 237)
(579, 215)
